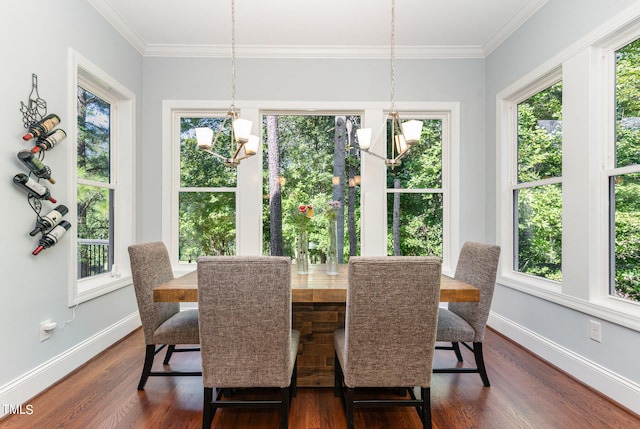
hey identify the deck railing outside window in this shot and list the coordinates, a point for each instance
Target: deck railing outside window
(93, 257)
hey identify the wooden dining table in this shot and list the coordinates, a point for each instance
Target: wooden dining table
(314, 287)
(318, 303)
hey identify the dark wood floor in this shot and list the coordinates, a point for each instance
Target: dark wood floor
(525, 393)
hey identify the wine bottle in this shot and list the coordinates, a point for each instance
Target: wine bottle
(29, 185)
(35, 165)
(50, 140)
(49, 220)
(52, 237)
(42, 127)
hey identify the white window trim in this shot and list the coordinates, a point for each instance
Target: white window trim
(249, 193)
(597, 302)
(507, 180)
(172, 112)
(448, 147)
(122, 168)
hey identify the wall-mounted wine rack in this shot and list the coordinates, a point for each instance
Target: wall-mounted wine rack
(41, 127)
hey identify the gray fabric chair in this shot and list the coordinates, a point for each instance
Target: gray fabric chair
(465, 322)
(390, 331)
(245, 330)
(162, 322)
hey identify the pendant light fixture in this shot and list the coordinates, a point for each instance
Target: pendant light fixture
(243, 143)
(404, 134)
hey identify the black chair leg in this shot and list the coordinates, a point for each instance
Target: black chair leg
(338, 377)
(284, 408)
(294, 381)
(477, 352)
(207, 415)
(349, 397)
(170, 351)
(425, 393)
(456, 349)
(148, 363)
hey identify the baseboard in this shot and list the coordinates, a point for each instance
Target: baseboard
(619, 389)
(20, 390)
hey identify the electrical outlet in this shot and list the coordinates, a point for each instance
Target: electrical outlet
(595, 331)
(45, 329)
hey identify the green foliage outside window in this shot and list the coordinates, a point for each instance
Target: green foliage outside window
(94, 225)
(626, 187)
(306, 153)
(206, 217)
(539, 208)
(418, 216)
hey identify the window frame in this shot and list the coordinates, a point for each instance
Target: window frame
(177, 116)
(588, 75)
(445, 186)
(603, 295)
(122, 159)
(249, 190)
(509, 185)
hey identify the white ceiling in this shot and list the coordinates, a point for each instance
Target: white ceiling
(317, 28)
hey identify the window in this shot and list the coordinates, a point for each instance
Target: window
(95, 184)
(103, 160)
(624, 178)
(220, 210)
(293, 143)
(537, 192)
(415, 193)
(206, 195)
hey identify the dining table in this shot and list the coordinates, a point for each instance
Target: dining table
(318, 304)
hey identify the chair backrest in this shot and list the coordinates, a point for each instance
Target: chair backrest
(477, 265)
(391, 318)
(244, 305)
(151, 267)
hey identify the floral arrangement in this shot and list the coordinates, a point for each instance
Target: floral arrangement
(302, 216)
(332, 209)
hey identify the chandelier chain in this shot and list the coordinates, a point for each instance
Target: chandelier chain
(393, 54)
(233, 55)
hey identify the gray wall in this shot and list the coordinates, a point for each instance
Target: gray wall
(34, 38)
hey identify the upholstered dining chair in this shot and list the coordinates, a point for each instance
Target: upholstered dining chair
(390, 330)
(465, 322)
(245, 331)
(163, 324)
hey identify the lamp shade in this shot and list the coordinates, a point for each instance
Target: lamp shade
(242, 129)
(411, 130)
(204, 136)
(364, 138)
(251, 146)
(401, 144)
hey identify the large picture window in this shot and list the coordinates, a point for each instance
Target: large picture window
(310, 160)
(309, 156)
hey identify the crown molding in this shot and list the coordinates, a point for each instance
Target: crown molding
(313, 52)
(119, 24)
(517, 20)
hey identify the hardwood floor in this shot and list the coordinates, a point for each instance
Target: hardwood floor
(525, 392)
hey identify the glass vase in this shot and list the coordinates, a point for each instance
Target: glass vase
(331, 264)
(302, 252)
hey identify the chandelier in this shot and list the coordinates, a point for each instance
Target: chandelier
(243, 143)
(404, 134)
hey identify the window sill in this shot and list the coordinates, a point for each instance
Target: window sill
(614, 310)
(96, 287)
